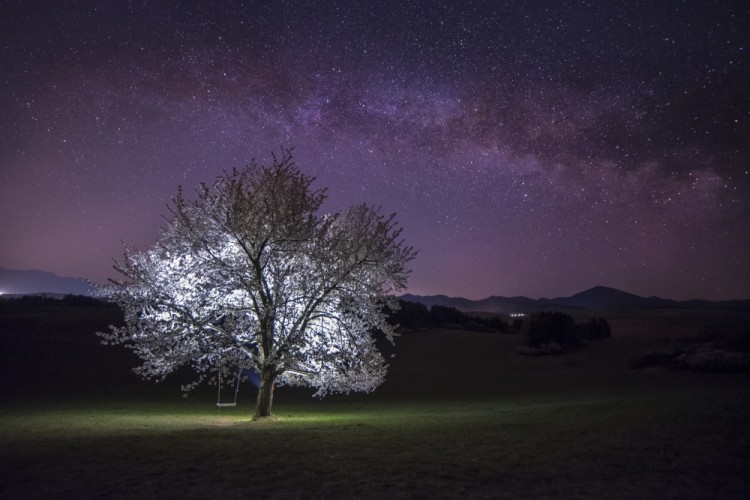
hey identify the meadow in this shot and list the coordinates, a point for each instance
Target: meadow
(460, 415)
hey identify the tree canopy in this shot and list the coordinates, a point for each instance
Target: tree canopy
(247, 274)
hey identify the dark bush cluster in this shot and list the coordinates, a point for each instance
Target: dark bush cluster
(554, 327)
(545, 327)
(595, 329)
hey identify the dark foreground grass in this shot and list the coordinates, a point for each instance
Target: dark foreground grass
(673, 444)
(461, 415)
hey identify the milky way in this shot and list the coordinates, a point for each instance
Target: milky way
(528, 148)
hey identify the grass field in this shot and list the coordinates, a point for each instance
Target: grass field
(461, 415)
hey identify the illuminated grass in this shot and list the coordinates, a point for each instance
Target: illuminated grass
(685, 443)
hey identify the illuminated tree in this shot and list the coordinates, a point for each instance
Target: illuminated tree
(247, 275)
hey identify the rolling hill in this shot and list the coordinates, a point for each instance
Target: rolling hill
(596, 298)
(27, 282)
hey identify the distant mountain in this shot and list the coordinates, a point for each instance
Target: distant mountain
(16, 282)
(597, 298)
(602, 297)
(494, 304)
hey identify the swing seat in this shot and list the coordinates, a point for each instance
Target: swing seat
(219, 404)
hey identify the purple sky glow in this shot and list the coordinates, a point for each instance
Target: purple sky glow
(528, 148)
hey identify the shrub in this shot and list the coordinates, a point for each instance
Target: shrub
(595, 329)
(545, 327)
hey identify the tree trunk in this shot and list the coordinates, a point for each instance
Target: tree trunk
(265, 393)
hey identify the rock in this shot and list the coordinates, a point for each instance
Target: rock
(553, 348)
(716, 360)
(655, 358)
(530, 351)
(542, 350)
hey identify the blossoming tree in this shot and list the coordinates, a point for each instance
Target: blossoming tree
(248, 275)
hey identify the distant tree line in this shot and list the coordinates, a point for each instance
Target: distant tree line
(414, 316)
(15, 302)
(538, 328)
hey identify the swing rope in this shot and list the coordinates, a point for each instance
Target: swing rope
(219, 404)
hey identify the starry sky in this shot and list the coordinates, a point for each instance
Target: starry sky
(530, 148)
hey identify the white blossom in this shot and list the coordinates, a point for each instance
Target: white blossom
(247, 275)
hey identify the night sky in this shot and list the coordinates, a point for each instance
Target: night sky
(528, 147)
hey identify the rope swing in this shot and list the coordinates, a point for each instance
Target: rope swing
(219, 404)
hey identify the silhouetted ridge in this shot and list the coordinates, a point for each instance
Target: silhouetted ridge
(602, 297)
(598, 297)
(26, 282)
